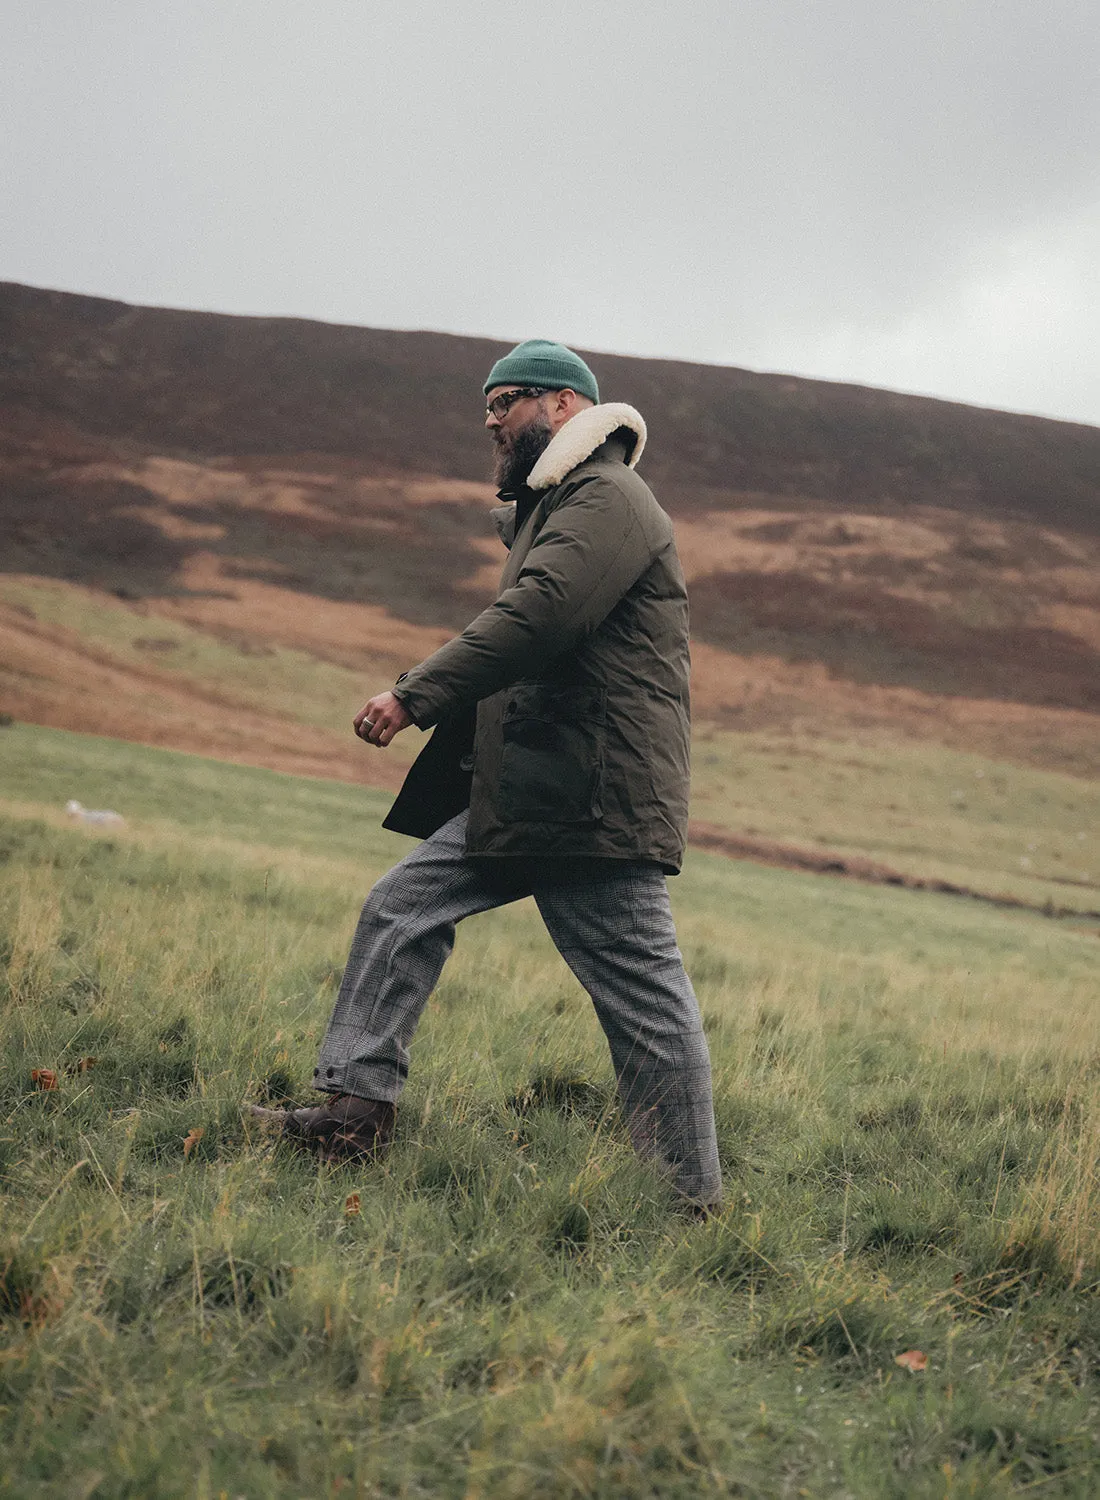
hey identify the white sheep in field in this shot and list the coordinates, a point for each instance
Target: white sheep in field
(88, 815)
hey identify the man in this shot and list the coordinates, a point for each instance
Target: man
(558, 768)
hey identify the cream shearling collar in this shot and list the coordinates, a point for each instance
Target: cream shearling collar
(579, 439)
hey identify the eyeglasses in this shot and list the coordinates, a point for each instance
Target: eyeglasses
(501, 405)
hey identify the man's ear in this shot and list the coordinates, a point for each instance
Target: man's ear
(564, 404)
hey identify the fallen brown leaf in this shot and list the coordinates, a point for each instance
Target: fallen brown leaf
(81, 1065)
(192, 1139)
(351, 1206)
(44, 1078)
(912, 1359)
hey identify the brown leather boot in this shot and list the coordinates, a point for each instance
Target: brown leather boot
(344, 1128)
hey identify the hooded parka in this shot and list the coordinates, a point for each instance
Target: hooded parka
(578, 670)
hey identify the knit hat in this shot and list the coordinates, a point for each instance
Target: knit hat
(538, 362)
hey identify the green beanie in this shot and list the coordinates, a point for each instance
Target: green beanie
(538, 362)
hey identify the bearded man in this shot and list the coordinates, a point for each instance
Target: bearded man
(558, 768)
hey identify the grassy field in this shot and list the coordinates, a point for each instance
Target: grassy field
(922, 809)
(908, 1100)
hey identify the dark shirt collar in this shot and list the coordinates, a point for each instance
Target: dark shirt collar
(524, 499)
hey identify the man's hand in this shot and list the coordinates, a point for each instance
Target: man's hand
(379, 720)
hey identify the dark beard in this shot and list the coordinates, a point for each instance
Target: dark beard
(518, 454)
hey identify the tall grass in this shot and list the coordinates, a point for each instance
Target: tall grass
(909, 1118)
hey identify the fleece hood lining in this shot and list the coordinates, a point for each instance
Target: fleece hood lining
(579, 439)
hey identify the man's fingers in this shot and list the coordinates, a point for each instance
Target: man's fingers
(369, 716)
(377, 730)
(388, 726)
(380, 719)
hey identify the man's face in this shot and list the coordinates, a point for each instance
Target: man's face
(519, 434)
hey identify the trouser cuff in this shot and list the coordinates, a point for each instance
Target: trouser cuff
(364, 1081)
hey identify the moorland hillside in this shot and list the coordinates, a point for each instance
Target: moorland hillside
(198, 512)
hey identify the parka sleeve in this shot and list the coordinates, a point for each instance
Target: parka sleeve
(592, 547)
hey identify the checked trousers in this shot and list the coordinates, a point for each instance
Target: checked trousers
(612, 925)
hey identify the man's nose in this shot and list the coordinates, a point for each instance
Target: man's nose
(491, 421)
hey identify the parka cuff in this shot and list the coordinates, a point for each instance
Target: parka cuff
(424, 708)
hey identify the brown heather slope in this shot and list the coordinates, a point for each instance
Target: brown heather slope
(861, 563)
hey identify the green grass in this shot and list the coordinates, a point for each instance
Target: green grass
(909, 1118)
(283, 683)
(924, 810)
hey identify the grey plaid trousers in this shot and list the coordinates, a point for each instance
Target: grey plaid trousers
(613, 926)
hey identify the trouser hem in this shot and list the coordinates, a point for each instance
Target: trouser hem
(363, 1082)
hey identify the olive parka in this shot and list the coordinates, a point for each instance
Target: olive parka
(579, 672)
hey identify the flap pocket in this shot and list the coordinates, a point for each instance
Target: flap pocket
(552, 754)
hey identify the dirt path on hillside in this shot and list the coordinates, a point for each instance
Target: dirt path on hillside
(718, 840)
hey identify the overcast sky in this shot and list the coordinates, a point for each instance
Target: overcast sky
(904, 193)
